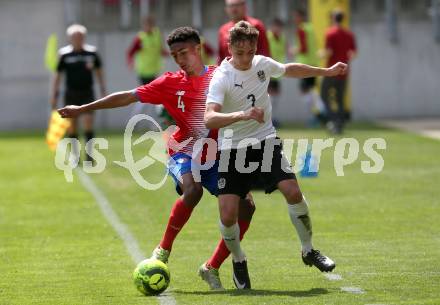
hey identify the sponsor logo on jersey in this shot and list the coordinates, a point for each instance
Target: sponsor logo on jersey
(239, 85)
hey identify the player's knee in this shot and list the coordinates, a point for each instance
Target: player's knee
(193, 193)
(227, 220)
(228, 216)
(293, 194)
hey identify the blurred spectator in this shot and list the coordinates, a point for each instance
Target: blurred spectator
(236, 11)
(145, 55)
(146, 51)
(77, 62)
(306, 52)
(208, 51)
(340, 46)
(278, 50)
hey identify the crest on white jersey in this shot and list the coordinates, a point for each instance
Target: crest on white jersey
(261, 76)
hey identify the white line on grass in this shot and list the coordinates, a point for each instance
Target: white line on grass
(124, 233)
(338, 277)
(333, 276)
(355, 290)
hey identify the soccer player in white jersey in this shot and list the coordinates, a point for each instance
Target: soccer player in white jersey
(251, 154)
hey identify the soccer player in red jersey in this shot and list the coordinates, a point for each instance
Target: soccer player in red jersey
(183, 94)
(236, 11)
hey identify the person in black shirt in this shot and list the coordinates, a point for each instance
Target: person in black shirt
(77, 63)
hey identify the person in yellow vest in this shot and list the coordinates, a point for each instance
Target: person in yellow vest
(145, 56)
(306, 52)
(146, 51)
(278, 50)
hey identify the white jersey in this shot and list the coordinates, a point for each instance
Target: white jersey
(239, 90)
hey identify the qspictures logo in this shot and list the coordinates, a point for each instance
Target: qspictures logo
(346, 151)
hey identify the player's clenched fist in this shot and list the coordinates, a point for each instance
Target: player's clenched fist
(70, 111)
(255, 113)
(338, 68)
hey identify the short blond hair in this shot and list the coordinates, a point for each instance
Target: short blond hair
(76, 28)
(243, 31)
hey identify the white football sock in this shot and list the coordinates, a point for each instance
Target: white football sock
(299, 215)
(231, 236)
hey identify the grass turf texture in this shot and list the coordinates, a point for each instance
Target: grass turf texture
(381, 229)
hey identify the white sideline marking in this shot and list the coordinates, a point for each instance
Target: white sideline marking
(333, 276)
(124, 233)
(338, 277)
(427, 127)
(355, 290)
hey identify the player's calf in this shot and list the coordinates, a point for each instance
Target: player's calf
(246, 208)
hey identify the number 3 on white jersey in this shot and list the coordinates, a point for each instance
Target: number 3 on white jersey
(180, 103)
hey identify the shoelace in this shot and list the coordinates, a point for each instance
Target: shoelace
(214, 271)
(240, 266)
(214, 275)
(318, 256)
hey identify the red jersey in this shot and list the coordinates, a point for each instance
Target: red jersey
(340, 42)
(184, 98)
(223, 37)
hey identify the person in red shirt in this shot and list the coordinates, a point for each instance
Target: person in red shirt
(236, 11)
(183, 94)
(340, 45)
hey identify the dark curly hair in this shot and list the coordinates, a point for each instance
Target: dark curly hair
(183, 34)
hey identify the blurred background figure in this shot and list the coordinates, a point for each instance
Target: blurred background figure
(145, 56)
(278, 50)
(146, 51)
(112, 25)
(208, 51)
(236, 11)
(306, 52)
(340, 45)
(77, 63)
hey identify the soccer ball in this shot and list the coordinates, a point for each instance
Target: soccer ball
(151, 277)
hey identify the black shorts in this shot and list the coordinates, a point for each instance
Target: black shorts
(306, 84)
(270, 171)
(144, 80)
(274, 86)
(78, 97)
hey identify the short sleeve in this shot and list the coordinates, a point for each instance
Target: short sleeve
(98, 62)
(151, 93)
(274, 68)
(61, 66)
(353, 43)
(328, 42)
(217, 89)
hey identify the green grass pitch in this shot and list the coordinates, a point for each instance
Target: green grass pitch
(383, 231)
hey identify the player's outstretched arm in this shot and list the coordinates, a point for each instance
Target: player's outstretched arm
(304, 71)
(114, 100)
(215, 119)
